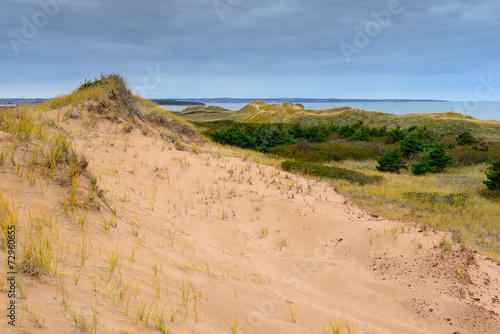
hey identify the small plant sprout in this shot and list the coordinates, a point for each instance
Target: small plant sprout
(232, 325)
(291, 316)
(264, 232)
(282, 242)
(112, 259)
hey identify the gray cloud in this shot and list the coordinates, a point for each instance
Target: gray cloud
(267, 48)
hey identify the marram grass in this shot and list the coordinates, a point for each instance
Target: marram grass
(455, 201)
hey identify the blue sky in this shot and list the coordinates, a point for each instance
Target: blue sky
(240, 48)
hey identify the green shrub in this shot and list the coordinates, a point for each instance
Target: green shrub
(481, 147)
(312, 133)
(329, 172)
(421, 167)
(411, 145)
(260, 138)
(433, 160)
(397, 134)
(357, 131)
(467, 155)
(465, 138)
(102, 81)
(438, 159)
(323, 152)
(493, 176)
(391, 162)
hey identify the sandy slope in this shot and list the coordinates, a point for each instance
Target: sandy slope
(196, 221)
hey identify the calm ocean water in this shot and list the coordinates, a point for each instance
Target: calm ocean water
(481, 110)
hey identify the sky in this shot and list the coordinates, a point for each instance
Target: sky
(373, 49)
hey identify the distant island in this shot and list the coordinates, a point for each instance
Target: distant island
(204, 101)
(13, 101)
(295, 100)
(175, 102)
(170, 102)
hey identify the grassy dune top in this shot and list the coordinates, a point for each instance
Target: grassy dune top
(449, 122)
(256, 112)
(261, 113)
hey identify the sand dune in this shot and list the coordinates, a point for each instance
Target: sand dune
(205, 242)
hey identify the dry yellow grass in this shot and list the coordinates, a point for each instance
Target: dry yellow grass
(454, 201)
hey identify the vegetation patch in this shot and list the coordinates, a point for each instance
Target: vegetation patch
(329, 172)
(493, 175)
(260, 138)
(391, 162)
(307, 152)
(202, 109)
(470, 155)
(459, 199)
(101, 82)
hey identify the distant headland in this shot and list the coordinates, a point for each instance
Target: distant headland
(295, 100)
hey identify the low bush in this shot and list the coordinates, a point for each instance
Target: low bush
(467, 155)
(312, 133)
(323, 152)
(465, 138)
(329, 172)
(102, 81)
(260, 138)
(491, 195)
(459, 199)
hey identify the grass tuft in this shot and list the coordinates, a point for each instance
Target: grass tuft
(329, 172)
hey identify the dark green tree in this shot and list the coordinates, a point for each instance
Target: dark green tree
(438, 159)
(410, 145)
(422, 166)
(347, 131)
(297, 131)
(391, 162)
(317, 133)
(493, 176)
(433, 160)
(233, 135)
(465, 138)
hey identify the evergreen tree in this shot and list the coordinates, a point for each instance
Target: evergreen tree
(493, 176)
(465, 138)
(316, 133)
(438, 159)
(411, 145)
(391, 162)
(362, 133)
(297, 131)
(422, 166)
(433, 160)
(233, 135)
(347, 131)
